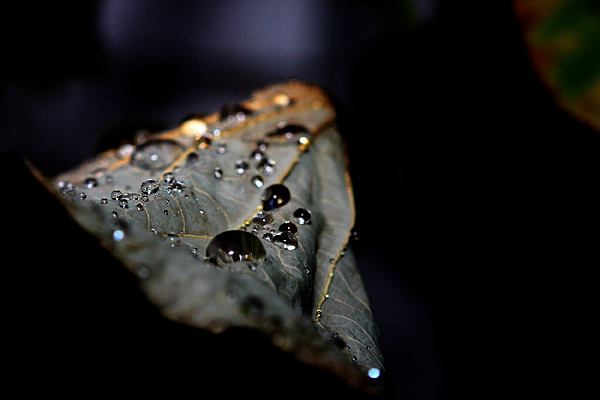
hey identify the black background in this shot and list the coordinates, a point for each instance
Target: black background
(477, 197)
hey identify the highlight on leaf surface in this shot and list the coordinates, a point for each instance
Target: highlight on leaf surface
(241, 218)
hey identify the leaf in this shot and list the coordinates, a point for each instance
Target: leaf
(563, 40)
(241, 219)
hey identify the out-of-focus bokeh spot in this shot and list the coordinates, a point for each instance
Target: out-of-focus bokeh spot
(563, 40)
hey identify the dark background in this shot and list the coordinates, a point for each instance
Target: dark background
(477, 197)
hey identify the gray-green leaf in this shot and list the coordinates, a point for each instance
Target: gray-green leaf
(241, 218)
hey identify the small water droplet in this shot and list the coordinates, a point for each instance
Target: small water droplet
(123, 203)
(275, 196)
(288, 227)
(115, 194)
(302, 216)
(288, 130)
(222, 148)
(233, 246)
(257, 155)
(266, 166)
(241, 166)
(65, 187)
(155, 154)
(173, 239)
(261, 145)
(80, 197)
(140, 206)
(374, 373)
(168, 177)
(149, 186)
(166, 212)
(118, 235)
(103, 200)
(218, 173)
(90, 183)
(257, 181)
(354, 358)
(286, 240)
(262, 218)
(192, 159)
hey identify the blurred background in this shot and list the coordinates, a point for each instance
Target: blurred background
(472, 130)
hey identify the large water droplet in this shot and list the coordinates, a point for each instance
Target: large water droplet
(286, 240)
(149, 186)
(275, 196)
(233, 246)
(302, 216)
(156, 154)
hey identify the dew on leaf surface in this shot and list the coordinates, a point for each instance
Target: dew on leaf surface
(286, 240)
(149, 186)
(233, 246)
(155, 154)
(302, 216)
(275, 196)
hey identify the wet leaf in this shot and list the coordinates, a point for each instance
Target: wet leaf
(241, 219)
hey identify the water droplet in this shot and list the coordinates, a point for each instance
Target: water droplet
(149, 186)
(257, 181)
(233, 246)
(166, 212)
(123, 203)
(354, 235)
(168, 177)
(288, 227)
(218, 173)
(192, 158)
(288, 130)
(155, 154)
(222, 148)
(262, 218)
(354, 358)
(257, 154)
(140, 206)
(80, 197)
(65, 187)
(275, 196)
(175, 187)
(374, 373)
(103, 200)
(118, 235)
(115, 194)
(286, 240)
(261, 145)
(232, 112)
(302, 216)
(90, 183)
(241, 166)
(266, 166)
(173, 239)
